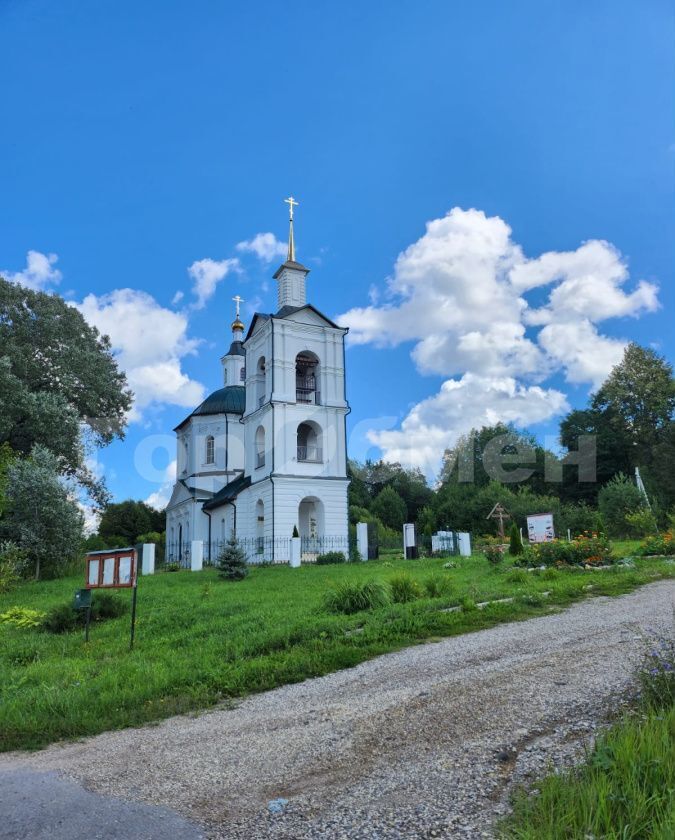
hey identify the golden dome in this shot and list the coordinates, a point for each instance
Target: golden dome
(237, 325)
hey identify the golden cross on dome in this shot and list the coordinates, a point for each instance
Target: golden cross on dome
(291, 204)
(238, 300)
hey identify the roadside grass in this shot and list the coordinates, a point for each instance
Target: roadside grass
(624, 790)
(201, 640)
(625, 787)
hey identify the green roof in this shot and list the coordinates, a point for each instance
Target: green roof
(228, 493)
(229, 400)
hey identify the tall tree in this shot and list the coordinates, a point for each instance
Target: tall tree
(129, 519)
(41, 516)
(640, 394)
(61, 378)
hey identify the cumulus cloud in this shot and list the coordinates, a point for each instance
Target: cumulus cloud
(39, 273)
(149, 342)
(265, 246)
(159, 499)
(459, 294)
(461, 405)
(206, 274)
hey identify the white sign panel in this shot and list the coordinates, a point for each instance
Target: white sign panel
(125, 570)
(540, 528)
(93, 572)
(108, 571)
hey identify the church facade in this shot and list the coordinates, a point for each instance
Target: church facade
(266, 453)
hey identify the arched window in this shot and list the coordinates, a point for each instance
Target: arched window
(224, 376)
(261, 381)
(307, 383)
(260, 447)
(309, 442)
(186, 456)
(210, 450)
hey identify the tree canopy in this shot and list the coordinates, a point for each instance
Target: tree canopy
(61, 378)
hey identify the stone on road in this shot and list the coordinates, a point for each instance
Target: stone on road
(424, 742)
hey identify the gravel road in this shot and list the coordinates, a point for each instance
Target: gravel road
(425, 742)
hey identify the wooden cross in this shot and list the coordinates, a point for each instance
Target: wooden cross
(238, 300)
(499, 512)
(291, 204)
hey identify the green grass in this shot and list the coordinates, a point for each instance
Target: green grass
(623, 791)
(201, 640)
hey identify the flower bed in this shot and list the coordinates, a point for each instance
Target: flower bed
(585, 550)
(658, 544)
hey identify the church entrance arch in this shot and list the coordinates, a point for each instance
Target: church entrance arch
(311, 522)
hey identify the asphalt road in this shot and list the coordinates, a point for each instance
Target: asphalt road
(45, 806)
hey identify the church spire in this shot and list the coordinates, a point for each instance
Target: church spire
(291, 239)
(291, 275)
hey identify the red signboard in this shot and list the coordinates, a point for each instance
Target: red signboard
(113, 568)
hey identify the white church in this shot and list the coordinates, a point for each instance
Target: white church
(267, 453)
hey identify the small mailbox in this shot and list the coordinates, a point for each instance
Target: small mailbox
(82, 599)
(112, 568)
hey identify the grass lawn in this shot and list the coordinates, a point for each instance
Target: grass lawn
(201, 640)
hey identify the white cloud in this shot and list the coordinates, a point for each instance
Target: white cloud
(159, 499)
(206, 274)
(177, 298)
(265, 246)
(461, 405)
(459, 294)
(90, 516)
(149, 342)
(39, 272)
(576, 346)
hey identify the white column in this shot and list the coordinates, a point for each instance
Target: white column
(196, 555)
(409, 542)
(464, 540)
(362, 539)
(148, 559)
(295, 552)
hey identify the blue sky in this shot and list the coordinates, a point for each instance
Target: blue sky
(140, 139)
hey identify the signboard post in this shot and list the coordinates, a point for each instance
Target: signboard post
(113, 568)
(83, 602)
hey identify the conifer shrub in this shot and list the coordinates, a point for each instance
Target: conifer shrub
(231, 562)
(515, 542)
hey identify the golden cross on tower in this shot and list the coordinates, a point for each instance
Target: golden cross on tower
(291, 204)
(238, 300)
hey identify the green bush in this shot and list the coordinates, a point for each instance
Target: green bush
(494, 554)
(330, 557)
(231, 561)
(353, 597)
(404, 588)
(616, 499)
(64, 617)
(22, 617)
(61, 619)
(468, 604)
(437, 586)
(642, 522)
